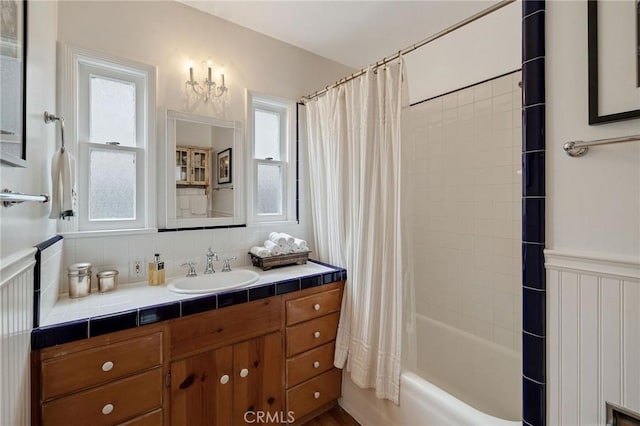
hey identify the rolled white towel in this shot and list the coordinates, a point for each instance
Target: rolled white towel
(300, 245)
(260, 251)
(273, 248)
(281, 238)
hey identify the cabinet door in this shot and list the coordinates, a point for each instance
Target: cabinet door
(258, 380)
(199, 167)
(183, 166)
(201, 389)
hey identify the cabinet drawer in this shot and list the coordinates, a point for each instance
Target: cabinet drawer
(310, 334)
(221, 327)
(314, 393)
(153, 418)
(314, 306)
(109, 404)
(92, 367)
(309, 364)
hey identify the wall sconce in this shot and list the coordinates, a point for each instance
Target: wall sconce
(206, 89)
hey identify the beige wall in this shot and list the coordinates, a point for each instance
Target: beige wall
(166, 34)
(593, 203)
(24, 225)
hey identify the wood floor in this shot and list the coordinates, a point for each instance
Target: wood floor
(334, 417)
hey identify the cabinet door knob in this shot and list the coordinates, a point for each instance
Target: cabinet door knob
(316, 364)
(224, 379)
(107, 409)
(316, 395)
(107, 366)
(316, 334)
(244, 372)
(316, 307)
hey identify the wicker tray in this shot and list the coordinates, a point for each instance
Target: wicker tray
(267, 263)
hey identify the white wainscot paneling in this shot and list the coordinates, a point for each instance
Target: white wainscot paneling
(593, 348)
(16, 318)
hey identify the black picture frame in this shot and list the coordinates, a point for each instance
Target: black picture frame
(13, 67)
(595, 73)
(225, 166)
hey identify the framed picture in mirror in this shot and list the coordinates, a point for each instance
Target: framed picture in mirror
(224, 166)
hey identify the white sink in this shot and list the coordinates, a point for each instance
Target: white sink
(211, 283)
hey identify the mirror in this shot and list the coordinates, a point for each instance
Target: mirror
(204, 181)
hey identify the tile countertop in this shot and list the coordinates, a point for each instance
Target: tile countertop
(136, 304)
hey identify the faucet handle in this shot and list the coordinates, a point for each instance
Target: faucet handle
(226, 266)
(191, 272)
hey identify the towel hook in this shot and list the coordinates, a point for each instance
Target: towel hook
(51, 118)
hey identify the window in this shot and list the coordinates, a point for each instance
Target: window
(113, 127)
(271, 165)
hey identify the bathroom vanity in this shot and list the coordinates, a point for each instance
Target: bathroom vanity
(271, 357)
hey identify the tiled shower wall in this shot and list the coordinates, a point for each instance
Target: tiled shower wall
(463, 162)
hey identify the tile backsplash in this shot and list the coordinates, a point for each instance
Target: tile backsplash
(175, 248)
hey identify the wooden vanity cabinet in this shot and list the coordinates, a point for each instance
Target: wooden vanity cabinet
(231, 362)
(273, 355)
(111, 379)
(313, 384)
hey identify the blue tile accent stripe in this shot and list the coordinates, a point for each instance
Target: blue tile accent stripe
(42, 337)
(36, 276)
(534, 407)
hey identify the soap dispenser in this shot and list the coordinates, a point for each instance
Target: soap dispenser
(156, 271)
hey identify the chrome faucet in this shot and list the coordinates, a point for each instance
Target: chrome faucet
(191, 272)
(211, 256)
(226, 267)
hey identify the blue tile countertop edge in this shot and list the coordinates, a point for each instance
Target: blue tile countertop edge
(57, 334)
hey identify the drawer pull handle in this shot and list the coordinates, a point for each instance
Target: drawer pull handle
(244, 373)
(224, 379)
(316, 395)
(107, 366)
(316, 364)
(316, 307)
(107, 409)
(316, 334)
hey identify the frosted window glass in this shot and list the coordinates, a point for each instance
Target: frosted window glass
(267, 137)
(112, 185)
(269, 191)
(112, 111)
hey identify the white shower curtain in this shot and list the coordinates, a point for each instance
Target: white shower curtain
(354, 163)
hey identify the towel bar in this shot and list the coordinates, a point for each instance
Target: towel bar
(9, 198)
(580, 148)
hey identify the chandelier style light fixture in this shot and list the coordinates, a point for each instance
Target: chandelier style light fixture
(206, 89)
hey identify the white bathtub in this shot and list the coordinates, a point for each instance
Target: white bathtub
(421, 404)
(482, 373)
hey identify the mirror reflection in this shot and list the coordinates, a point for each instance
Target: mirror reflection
(203, 186)
(202, 170)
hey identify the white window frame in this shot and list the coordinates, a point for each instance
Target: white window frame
(78, 66)
(287, 109)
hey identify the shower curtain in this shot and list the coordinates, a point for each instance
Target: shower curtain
(354, 163)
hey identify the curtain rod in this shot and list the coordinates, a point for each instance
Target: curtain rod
(411, 48)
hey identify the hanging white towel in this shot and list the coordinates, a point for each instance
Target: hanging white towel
(64, 199)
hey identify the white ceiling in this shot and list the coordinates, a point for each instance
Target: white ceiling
(354, 33)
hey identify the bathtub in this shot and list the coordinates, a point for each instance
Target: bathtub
(493, 382)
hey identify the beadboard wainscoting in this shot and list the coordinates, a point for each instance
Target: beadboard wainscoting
(16, 317)
(593, 350)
